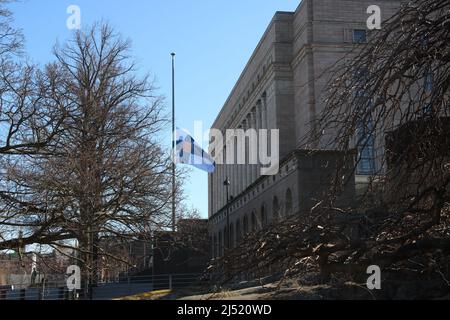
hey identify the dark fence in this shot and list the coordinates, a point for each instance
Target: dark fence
(122, 287)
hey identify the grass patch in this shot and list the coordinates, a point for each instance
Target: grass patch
(147, 296)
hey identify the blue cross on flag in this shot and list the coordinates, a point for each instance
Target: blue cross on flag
(189, 152)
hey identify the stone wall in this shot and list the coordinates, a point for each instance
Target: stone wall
(304, 179)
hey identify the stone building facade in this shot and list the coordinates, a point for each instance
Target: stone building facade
(282, 87)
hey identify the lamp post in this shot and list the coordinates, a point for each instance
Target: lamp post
(227, 184)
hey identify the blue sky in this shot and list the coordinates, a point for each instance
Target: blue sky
(213, 40)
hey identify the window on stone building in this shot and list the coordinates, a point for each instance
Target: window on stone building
(366, 143)
(276, 209)
(215, 247)
(428, 88)
(429, 80)
(220, 248)
(231, 236)
(365, 139)
(246, 230)
(359, 36)
(226, 239)
(254, 222)
(263, 216)
(238, 231)
(288, 202)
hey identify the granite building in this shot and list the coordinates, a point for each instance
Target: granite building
(282, 87)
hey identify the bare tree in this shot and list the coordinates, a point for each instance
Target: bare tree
(26, 128)
(106, 175)
(27, 124)
(11, 39)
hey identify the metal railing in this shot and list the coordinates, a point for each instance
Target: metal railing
(106, 290)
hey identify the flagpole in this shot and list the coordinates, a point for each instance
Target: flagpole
(173, 144)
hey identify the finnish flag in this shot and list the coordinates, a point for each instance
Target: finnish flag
(189, 152)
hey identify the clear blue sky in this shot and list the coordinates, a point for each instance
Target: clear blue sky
(213, 40)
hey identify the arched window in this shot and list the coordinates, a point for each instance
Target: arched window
(254, 222)
(288, 202)
(219, 254)
(276, 209)
(238, 231)
(263, 216)
(246, 225)
(231, 236)
(215, 247)
(226, 244)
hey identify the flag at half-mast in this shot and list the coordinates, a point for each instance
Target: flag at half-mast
(190, 153)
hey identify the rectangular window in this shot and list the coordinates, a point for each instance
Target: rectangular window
(366, 149)
(429, 81)
(427, 110)
(428, 88)
(366, 165)
(361, 78)
(364, 132)
(359, 36)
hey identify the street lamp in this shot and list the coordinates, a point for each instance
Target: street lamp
(227, 184)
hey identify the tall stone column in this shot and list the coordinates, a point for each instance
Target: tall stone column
(224, 176)
(214, 194)
(216, 188)
(222, 179)
(253, 125)
(219, 187)
(259, 126)
(237, 170)
(248, 166)
(233, 172)
(244, 168)
(265, 124)
(230, 172)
